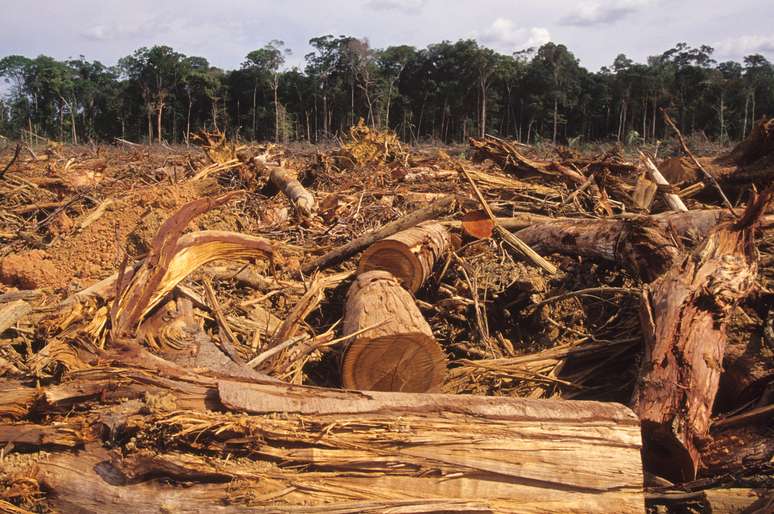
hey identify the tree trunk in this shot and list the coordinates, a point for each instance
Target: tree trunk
(159, 114)
(188, 123)
(397, 350)
(150, 125)
(409, 255)
(483, 109)
(255, 95)
(276, 111)
(556, 117)
(683, 317)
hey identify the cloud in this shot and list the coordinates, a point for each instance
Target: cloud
(745, 45)
(503, 35)
(598, 12)
(405, 6)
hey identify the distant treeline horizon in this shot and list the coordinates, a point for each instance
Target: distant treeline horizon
(446, 92)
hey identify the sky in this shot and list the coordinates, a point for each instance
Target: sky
(224, 31)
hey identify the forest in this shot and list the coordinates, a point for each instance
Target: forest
(444, 93)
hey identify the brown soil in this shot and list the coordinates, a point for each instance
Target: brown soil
(28, 270)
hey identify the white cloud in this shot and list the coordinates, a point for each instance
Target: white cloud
(745, 45)
(504, 36)
(406, 6)
(596, 12)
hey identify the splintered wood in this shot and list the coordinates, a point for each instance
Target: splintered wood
(684, 316)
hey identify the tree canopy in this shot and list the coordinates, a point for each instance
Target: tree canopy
(446, 92)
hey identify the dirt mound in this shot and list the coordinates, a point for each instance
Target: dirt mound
(28, 270)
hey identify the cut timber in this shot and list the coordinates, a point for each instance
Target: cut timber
(511, 454)
(397, 352)
(684, 316)
(409, 255)
(437, 209)
(301, 198)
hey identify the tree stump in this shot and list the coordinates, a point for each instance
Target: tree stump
(398, 351)
(409, 255)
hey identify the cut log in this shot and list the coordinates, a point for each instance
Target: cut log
(433, 211)
(392, 347)
(302, 199)
(409, 255)
(683, 317)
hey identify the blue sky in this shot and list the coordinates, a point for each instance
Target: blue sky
(224, 31)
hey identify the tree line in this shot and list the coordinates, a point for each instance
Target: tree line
(446, 92)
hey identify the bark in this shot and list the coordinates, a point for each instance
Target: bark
(396, 350)
(409, 255)
(302, 199)
(683, 316)
(435, 210)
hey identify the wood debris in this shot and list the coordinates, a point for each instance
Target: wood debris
(524, 330)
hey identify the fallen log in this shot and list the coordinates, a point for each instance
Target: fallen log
(302, 199)
(683, 316)
(392, 347)
(639, 244)
(437, 209)
(409, 255)
(511, 454)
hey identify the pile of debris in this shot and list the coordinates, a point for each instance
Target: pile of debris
(372, 329)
